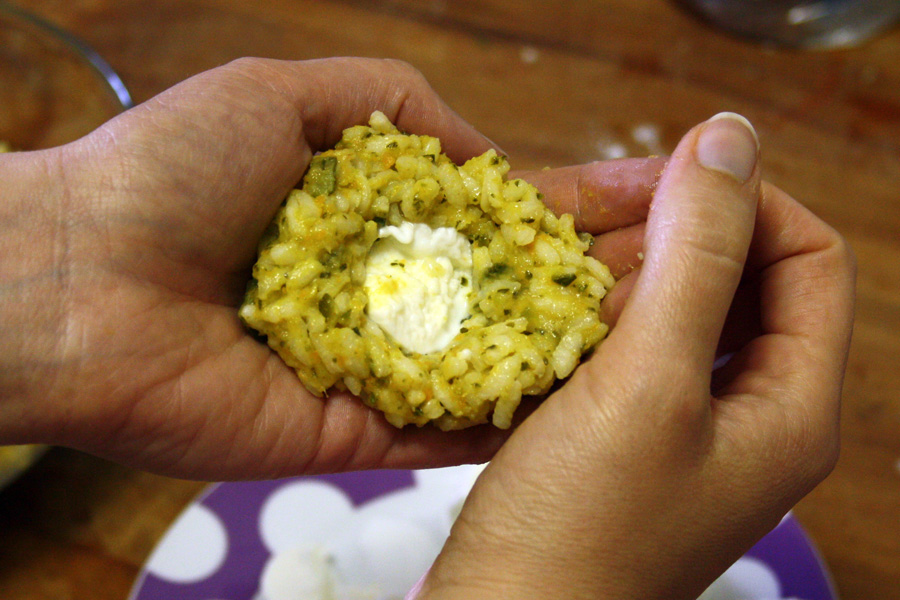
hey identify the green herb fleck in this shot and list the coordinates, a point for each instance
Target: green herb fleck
(326, 305)
(496, 270)
(564, 279)
(321, 177)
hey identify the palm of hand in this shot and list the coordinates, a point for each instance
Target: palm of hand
(188, 182)
(193, 180)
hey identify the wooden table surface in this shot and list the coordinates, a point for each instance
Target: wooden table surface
(553, 83)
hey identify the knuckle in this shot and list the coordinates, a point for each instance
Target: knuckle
(726, 236)
(828, 459)
(711, 240)
(705, 263)
(842, 254)
(264, 73)
(672, 401)
(248, 64)
(718, 250)
(816, 441)
(821, 461)
(409, 77)
(403, 68)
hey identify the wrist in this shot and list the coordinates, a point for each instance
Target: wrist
(548, 522)
(508, 544)
(33, 280)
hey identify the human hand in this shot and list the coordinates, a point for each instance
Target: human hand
(125, 256)
(649, 472)
(128, 254)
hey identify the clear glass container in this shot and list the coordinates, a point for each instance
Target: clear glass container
(53, 87)
(802, 23)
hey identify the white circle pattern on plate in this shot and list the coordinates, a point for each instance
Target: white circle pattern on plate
(193, 549)
(302, 513)
(356, 518)
(749, 579)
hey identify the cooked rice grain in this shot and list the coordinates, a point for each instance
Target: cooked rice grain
(534, 308)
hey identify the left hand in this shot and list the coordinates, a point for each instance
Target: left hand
(125, 255)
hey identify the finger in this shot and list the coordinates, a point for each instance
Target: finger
(602, 196)
(808, 286)
(615, 300)
(335, 93)
(806, 276)
(379, 445)
(741, 325)
(187, 426)
(236, 140)
(620, 250)
(697, 237)
(787, 382)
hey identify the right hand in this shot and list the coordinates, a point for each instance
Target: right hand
(648, 473)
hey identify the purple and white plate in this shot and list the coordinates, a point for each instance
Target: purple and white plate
(370, 535)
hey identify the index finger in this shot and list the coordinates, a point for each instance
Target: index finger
(807, 273)
(333, 94)
(603, 195)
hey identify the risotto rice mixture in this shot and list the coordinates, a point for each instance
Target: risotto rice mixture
(533, 298)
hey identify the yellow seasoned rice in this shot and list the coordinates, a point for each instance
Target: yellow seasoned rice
(534, 305)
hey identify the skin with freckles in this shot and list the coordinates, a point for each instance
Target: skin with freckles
(123, 258)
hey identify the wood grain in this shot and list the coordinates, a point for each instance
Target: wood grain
(553, 84)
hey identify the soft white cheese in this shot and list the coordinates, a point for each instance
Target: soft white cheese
(298, 574)
(418, 281)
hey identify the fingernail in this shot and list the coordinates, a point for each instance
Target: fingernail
(728, 144)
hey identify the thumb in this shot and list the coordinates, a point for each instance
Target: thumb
(696, 241)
